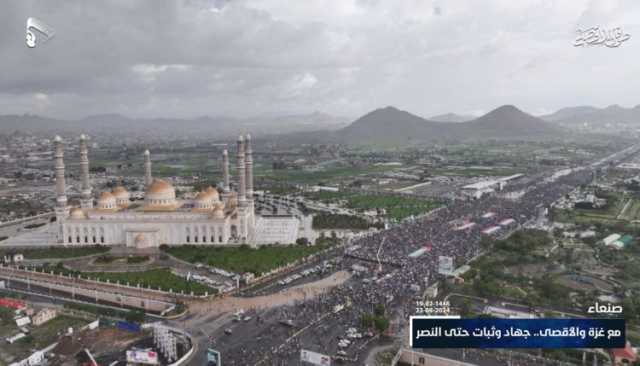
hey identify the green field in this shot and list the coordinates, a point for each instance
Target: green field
(324, 176)
(245, 259)
(55, 252)
(154, 278)
(396, 207)
(336, 221)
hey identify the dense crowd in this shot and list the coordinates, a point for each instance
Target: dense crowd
(326, 318)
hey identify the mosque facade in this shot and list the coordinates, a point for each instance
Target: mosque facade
(213, 217)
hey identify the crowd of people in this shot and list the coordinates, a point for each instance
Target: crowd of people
(319, 323)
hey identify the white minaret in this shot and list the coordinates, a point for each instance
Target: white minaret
(242, 196)
(248, 151)
(87, 200)
(148, 179)
(62, 210)
(249, 168)
(225, 170)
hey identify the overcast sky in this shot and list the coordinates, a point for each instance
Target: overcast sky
(344, 57)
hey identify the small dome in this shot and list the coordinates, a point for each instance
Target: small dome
(140, 239)
(212, 193)
(218, 212)
(77, 214)
(121, 195)
(206, 199)
(119, 190)
(107, 201)
(202, 196)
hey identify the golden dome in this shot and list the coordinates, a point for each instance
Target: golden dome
(105, 196)
(160, 186)
(160, 196)
(119, 190)
(122, 196)
(140, 240)
(206, 199)
(107, 201)
(202, 196)
(218, 212)
(77, 213)
(212, 193)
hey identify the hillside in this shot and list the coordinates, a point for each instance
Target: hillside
(595, 116)
(393, 126)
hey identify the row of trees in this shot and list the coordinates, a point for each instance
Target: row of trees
(378, 319)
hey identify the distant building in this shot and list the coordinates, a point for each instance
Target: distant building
(624, 356)
(611, 239)
(507, 313)
(43, 316)
(13, 258)
(479, 189)
(617, 241)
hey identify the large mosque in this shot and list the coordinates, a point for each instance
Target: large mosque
(211, 218)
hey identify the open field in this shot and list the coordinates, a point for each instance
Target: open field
(162, 279)
(244, 259)
(396, 207)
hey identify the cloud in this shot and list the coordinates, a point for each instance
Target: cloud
(245, 57)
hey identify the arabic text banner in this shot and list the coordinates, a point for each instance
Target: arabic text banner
(428, 332)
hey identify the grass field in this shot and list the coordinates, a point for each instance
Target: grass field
(244, 259)
(62, 253)
(154, 278)
(475, 172)
(327, 175)
(396, 207)
(612, 213)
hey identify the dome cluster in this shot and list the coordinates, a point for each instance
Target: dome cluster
(206, 199)
(116, 199)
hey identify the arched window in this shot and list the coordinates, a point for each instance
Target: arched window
(78, 239)
(204, 239)
(188, 239)
(102, 240)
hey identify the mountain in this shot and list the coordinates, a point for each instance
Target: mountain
(451, 117)
(391, 125)
(201, 127)
(510, 122)
(595, 116)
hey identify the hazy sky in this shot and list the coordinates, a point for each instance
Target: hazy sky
(345, 57)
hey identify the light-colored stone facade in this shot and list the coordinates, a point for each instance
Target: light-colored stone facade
(209, 219)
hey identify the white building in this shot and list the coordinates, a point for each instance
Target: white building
(211, 218)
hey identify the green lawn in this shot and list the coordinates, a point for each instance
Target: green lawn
(245, 259)
(396, 207)
(154, 278)
(58, 252)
